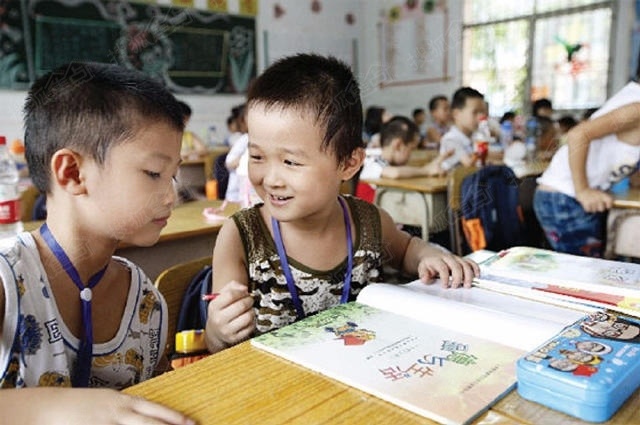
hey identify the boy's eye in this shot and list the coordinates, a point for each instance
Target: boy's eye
(255, 157)
(292, 163)
(152, 174)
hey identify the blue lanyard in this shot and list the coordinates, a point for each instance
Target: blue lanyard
(82, 368)
(287, 270)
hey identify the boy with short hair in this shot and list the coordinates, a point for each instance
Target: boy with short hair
(307, 248)
(103, 143)
(467, 107)
(399, 137)
(440, 112)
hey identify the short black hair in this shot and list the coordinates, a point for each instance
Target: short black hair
(186, 109)
(567, 122)
(373, 120)
(90, 107)
(321, 85)
(540, 104)
(401, 127)
(460, 96)
(507, 116)
(433, 103)
(417, 111)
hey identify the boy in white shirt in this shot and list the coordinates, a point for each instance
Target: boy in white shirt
(467, 106)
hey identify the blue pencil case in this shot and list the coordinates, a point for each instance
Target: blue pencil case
(588, 370)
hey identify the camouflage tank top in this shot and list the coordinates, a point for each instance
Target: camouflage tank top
(318, 289)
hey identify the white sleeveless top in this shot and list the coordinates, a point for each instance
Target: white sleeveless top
(37, 348)
(608, 160)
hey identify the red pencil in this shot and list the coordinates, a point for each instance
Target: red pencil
(210, 297)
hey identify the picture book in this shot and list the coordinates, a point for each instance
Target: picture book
(563, 278)
(446, 354)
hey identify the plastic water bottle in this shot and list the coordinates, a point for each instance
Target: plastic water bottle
(10, 223)
(506, 134)
(531, 138)
(481, 139)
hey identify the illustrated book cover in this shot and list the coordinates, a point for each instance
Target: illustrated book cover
(447, 376)
(563, 278)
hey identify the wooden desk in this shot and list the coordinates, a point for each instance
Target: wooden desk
(186, 236)
(623, 225)
(418, 201)
(243, 385)
(630, 199)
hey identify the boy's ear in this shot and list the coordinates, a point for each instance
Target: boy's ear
(65, 171)
(352, 165)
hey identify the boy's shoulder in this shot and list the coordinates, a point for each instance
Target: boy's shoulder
(454, 135)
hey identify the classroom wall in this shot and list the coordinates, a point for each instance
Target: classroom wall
(324, 30)
(402, 100)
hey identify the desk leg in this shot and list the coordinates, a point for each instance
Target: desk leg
(406, 207)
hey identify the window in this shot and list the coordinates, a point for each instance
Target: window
(517, 52)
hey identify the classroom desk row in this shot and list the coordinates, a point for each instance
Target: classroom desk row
(186, 236)
(244, 385)
(422, 201)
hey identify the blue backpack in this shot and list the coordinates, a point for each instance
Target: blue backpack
(491, 213)
(193, 310)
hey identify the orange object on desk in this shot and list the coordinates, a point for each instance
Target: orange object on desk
(211, 189)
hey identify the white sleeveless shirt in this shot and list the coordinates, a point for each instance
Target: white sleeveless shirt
(37, 348)
(608, 160)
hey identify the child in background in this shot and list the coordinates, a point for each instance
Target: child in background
(440, 121)
(192, 146)
(399, 137)
(420, 119)
(232, 160)
(307, 248)
(375, 116)
(565, 123)
(571, 199)
(103, 143)
(467, 107)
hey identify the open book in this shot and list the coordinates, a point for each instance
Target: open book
(446, 354)
(563, 278)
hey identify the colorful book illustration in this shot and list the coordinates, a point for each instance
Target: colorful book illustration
(563, 278)
(447, 355)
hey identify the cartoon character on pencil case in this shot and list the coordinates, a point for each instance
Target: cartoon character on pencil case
(351, 335)
(611, 326)
(564, 364)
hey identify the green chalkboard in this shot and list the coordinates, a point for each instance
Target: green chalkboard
(191, 51)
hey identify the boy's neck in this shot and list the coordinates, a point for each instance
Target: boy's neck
(87, 254)
(463, 131)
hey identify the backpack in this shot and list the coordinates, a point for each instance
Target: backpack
(491, 213)
(193, 310)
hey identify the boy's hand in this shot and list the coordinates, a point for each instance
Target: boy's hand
(452, 270)
(231, 318)
(594, 200)
(80, 406)
(434, 167)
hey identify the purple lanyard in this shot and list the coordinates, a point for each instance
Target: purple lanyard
(85, 351)
(287, 270)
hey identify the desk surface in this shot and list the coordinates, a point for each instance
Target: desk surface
(186, 220)
(630, 199)
(245, 385)
(418, 184)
